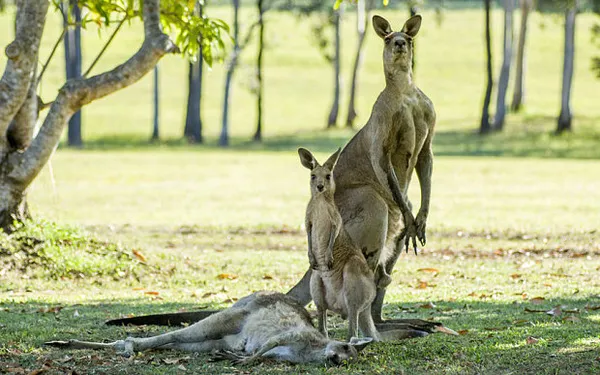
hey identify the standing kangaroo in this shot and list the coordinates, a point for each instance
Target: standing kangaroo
(263, 324)
(341, 280)
(375, 168)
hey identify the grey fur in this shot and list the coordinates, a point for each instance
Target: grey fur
(263, 324)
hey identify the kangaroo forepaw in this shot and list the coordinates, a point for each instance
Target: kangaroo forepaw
(125, 348)
(421, 224)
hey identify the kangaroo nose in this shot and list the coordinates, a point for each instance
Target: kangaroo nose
(400, 43)
(320, 187)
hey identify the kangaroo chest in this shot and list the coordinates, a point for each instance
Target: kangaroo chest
(409, 131)
(324, 220)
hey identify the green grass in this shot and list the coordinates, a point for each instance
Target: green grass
(516, 222)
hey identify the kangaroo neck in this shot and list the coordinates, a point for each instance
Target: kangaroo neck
(399, 81)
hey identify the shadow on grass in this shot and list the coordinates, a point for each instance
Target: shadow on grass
(530, 137)
(497, 337)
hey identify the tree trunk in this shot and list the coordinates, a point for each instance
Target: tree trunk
(193, 121)
(485, 127)
(259, 72)
(333, 113)
(156, 104)
(519, 92)
(72, 41)
(18, 168)
(506, 62)
(362, 23)
(224, 138)
(565, 117)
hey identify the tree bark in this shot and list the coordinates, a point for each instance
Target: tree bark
(224, 138)
(259, 72)
(156, 106)
(519, 91)
(565, 117)
(362, 23)
(333, 113)
(193, 121)
(19, 169)
(506, 62)
(73, 60)
(485, 126)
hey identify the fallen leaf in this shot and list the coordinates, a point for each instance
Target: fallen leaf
(472, 294)
(267, 277)
(208, 294)
(493, 328)
(137, 289)
(537, 300)
(592, 308)
(516, 276)
(53, 309)
(181, 367)
(556, 311)
(548, 285)
(527, 309)
(16, 370)
(422, 285)
(463, 332)
(571, 318)
(520, 322)
(151, 293)
(531, 340)
(139, 256)
(228, 276)
(171, 361)
(76, 314)
(428, 305)
(429, 270)
(230, 300)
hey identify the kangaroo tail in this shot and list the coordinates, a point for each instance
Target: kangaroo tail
(173, 319)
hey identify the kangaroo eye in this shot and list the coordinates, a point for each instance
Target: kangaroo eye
(312, 176)
(328, 177)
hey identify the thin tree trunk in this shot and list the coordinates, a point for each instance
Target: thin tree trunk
(506, 62)
(193, 120)
(259, 72)
(485, 126)
(72, 41)
(156, 104)
(519, 92)
(224, 138)
(362, 23)
(565, 117)
(333, 113)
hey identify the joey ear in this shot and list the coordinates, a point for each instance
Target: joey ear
(330, 163)
(382, 26)
(412, 26)
(307, 159)
(360, 343)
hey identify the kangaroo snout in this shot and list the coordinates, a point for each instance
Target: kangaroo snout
(320, 187)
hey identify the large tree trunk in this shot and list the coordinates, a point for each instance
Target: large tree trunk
(18, 168)
(506, 62)
(224, 138)
(335, 106)
(519, 92)
(485, 126)
(193, 120)
(362, 23)
(155, 105)
(259, 72)
(565, 117)
(72, 42)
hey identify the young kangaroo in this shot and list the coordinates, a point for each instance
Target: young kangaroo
(341, 280)
(263, 324)
(375, 168)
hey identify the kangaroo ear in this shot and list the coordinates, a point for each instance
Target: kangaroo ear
(412, 26)
(360, 344)
(382, 26)
(307, 159)
(330, 163)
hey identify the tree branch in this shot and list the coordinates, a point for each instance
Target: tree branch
(78, 92)
(22, 56)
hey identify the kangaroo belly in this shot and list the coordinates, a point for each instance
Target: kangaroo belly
(334, 294)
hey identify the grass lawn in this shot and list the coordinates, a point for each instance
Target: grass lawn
(513, 232)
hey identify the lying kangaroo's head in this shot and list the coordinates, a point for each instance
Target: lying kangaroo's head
(321, 176)
(338, 352)
(398, 50)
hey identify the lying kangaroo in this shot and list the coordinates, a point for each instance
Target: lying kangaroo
(375, 168)
(341, 280)
(263, 324)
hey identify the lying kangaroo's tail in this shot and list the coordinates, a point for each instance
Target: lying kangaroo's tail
(173, 319)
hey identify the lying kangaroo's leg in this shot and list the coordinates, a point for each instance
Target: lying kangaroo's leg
(301, 291)
(214, 327)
